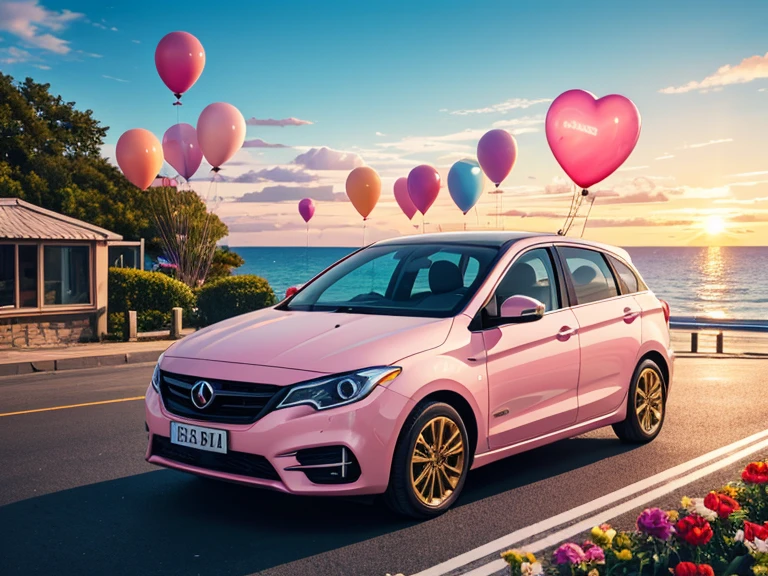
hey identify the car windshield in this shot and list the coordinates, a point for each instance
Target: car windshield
(433, 280)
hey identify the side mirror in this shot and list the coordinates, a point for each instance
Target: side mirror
(518, 309)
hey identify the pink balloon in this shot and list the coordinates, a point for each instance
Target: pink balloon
(179, 59)
(307, 209)
(220, 132)
(591, 138)
(496, 154)
(181, 149)
(403, 199)
(423, 187)
(140, 156)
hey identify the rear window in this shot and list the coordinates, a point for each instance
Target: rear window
(628, 280)
(592, 278)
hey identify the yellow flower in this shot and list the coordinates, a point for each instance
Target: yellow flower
(603, 536)
(593, 572)
(731, 491)
(760, 570)
(685, 502)
(530, 557)
(622, 541)
(512, 557)
(673, 515)
(624, 555)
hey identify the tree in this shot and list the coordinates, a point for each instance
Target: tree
(50, 155)
(224, 261)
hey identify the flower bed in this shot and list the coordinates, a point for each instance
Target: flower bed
(725, 533)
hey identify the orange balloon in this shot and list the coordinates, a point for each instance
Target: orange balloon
(140, 156)
(363, 189)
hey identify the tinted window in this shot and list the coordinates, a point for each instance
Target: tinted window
(592, 278)
(434, 280)
(7, 276)
(66, 275)
(531, 275)
(627, 279)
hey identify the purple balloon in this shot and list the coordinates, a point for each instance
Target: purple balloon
(181, 150)
(496, 153)
(423, 187)
(403, 199)
(307, 209)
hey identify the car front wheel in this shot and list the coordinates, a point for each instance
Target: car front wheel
(430, 463)
(646, 405)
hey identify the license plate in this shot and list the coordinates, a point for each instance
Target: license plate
(198, 437)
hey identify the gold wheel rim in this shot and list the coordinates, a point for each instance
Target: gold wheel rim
(649, 401)
(437, 461)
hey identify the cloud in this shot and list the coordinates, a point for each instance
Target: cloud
(276, 174)
(456, 142)
(665, 157)
(530, 214)
(503, 107)
(239, 225)
(282, 123)
(762, 217)
(90, 54)
(635, 198)
(631, 168)
(380, 134)
(747, 70)
(42, 66)
(15, 55)
(708, 143)
(742, 201)
(625, 222)
(525, 121)
(259, 143)
(113, 78)
(327, 159)
(749, 183)
(761, 89)
(640, 190)
(27, 20)
(559, 186)
(282, 193)
(136, 41)
(749, 174)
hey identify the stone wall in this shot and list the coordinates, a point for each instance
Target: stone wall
(38, 331)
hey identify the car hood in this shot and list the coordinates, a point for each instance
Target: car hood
(314, 341)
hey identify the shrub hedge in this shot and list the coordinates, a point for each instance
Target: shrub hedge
(232, 296)
(151, 294)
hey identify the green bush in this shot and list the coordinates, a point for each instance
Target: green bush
(151, 294)
(232, 296)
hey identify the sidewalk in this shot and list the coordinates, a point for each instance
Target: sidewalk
(28, 360)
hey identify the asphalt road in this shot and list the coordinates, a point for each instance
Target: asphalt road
(76, 496)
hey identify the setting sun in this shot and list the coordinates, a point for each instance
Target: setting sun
(714, 225)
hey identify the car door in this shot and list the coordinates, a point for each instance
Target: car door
(609, 331)
(533, 368)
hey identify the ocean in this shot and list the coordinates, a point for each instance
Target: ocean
(717, 282)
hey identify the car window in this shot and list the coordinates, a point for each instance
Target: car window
(591, 276)
(371, 278)
(421, 283)
(627, 279)
(531, 275)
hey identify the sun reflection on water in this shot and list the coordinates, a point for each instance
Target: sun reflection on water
(712, 290)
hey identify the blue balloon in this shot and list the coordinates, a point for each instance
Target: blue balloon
(465, 184)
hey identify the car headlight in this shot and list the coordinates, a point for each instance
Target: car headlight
(156, 375)
(339, 390)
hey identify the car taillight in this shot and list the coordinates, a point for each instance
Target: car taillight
(665, 308)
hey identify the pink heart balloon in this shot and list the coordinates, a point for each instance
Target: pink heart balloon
(403, 199)
(591, 137)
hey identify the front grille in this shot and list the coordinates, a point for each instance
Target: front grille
(328, 465)
(240, 463)
(233, 402)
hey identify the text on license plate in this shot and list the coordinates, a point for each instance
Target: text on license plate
(199, 437)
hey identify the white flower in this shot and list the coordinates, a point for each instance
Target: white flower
(739, 536)
(697, 507)
(528, 569)
(760, 545)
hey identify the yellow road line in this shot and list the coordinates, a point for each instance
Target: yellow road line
(72, 406)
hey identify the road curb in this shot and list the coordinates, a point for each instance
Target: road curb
(79, 362)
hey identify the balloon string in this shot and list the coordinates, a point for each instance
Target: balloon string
(589, 211)
(501, 209)
(306, 254)
(363, 232)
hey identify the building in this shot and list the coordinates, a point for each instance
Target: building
(53, 277)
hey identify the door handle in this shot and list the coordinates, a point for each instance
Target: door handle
(566, 332)
(630, 315)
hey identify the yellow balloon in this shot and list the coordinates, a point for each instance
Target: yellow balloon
(364, 189)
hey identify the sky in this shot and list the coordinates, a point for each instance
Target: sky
(328, 86)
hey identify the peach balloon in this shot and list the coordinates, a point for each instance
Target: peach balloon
(364, 189)
(220, 132)
(140, 156)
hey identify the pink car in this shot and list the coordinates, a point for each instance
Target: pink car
(414, 360)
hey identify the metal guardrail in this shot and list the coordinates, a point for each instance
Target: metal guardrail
(696, 325)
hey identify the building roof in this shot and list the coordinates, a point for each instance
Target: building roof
(24, 221)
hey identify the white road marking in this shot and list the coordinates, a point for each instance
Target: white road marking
(570, 515)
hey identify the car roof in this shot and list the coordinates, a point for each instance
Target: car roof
(483, 238)
(497, 239)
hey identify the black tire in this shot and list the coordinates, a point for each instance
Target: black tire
(401, 495)
(633, 429)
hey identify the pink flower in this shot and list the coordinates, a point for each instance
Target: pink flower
(595, 554)
(569, 553)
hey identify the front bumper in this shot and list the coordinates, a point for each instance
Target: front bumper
(368, 429)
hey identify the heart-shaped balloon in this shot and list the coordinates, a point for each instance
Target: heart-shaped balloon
(591, 137)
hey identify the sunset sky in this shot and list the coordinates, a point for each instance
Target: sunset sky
(332, 85)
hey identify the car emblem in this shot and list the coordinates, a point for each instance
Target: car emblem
(201, 394)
